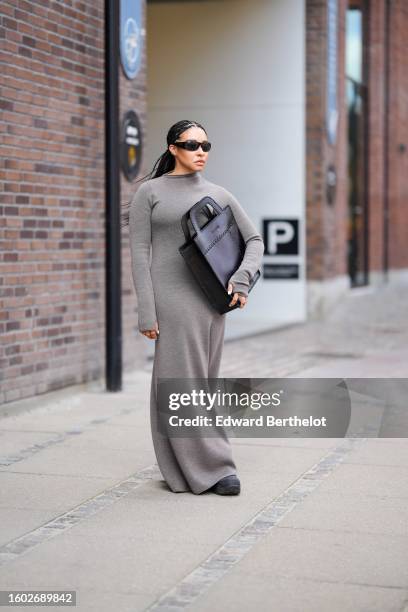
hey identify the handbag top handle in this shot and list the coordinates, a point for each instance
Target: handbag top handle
(193, 212)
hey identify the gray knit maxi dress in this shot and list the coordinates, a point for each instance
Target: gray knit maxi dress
(191, 335)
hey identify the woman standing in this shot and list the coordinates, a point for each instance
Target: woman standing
(172, 309)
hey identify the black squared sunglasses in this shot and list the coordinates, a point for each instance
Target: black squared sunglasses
(193, 145)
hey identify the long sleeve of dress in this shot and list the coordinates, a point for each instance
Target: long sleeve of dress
(254, 248)
(140, 237)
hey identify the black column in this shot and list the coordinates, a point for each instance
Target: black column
(112, 190)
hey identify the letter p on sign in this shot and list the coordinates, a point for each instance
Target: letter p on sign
(281, 236)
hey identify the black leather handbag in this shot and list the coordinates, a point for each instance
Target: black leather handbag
(213, 251)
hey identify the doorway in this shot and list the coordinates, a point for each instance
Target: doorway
(238, 68)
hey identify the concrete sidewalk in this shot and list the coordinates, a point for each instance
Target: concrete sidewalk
(320, 523)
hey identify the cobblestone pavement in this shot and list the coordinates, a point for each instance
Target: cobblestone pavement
(369, 322)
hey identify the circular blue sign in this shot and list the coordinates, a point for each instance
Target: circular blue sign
(131, 36)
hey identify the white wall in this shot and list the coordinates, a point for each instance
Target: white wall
(237, 67)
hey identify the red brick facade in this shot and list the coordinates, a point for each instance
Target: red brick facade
(327, 226)
(52, 209)
(398, 136)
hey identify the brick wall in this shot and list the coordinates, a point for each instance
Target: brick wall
(327, 225)
(398, 136)
(51, 209)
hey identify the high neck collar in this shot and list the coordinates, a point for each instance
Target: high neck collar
(189, 176)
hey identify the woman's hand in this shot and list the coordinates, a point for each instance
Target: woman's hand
(242, 298)
(153, 334)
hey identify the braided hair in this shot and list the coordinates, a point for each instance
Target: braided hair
(166, 162)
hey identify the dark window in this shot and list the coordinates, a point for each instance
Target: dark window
(357, 102)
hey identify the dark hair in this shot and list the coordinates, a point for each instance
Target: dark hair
(166, 161)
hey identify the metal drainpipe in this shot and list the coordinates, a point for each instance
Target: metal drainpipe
(113, 325)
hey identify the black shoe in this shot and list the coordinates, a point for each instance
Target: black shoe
(229, 485)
